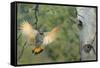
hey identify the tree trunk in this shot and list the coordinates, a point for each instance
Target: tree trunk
(87, 34)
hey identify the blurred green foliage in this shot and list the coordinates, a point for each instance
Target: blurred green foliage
(65, 48)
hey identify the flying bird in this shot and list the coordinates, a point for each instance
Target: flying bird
(34, 37)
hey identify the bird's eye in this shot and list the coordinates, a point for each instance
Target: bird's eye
(80, 24)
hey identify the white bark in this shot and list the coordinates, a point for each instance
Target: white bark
(88, 17)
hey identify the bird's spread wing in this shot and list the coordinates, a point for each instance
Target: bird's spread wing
(28, 32)
(32, 36)
(50, 36)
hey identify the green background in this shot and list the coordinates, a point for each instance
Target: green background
(65, 48)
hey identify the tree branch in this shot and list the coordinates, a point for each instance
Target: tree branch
(22, 51)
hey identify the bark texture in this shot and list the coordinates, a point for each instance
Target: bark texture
(87, 34)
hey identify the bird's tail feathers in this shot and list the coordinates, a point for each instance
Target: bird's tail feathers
(37, 50)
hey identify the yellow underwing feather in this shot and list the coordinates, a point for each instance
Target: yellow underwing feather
(51, 36)
(28, 32)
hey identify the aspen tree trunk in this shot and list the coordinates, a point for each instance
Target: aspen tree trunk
(87, 16)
